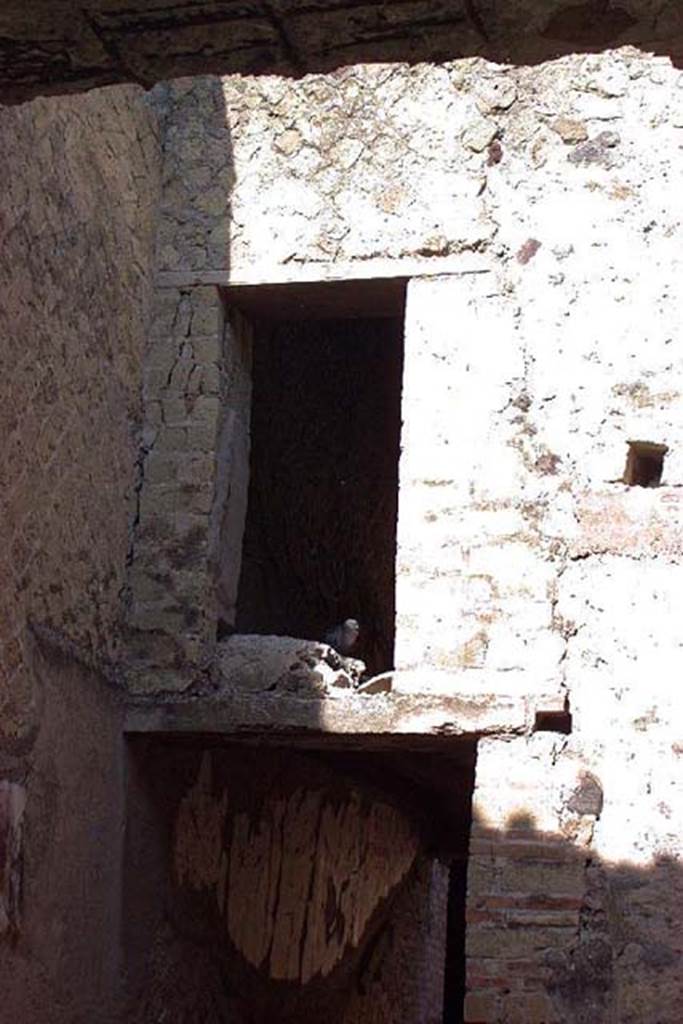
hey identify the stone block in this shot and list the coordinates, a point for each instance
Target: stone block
(207, 310)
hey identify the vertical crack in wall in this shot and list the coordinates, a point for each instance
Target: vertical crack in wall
(582, 978)
(567, 629)
(318, 865)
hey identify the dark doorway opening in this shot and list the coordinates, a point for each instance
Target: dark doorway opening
(320, 535)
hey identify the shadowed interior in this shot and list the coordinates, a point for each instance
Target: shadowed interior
(320, 538)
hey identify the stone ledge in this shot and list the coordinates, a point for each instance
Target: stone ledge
(367, 719)
(287, 688)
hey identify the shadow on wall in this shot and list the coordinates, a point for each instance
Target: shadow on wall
(259, 912)
(78, 215)
(198, 176)
(555, 933)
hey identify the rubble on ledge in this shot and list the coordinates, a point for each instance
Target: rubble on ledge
(270, 686)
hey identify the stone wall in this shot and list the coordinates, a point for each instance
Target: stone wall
(574, 882)
(187, 537)
(78, 229)
(78, 221)
(186, 553)
(60, 953)
(523, 552)
(538, 206)
(426, 162)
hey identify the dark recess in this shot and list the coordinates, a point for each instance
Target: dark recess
(553, 721)
(644, 464)
(320, 537)
(179, 958)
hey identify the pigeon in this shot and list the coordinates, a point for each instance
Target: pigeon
(343, 637)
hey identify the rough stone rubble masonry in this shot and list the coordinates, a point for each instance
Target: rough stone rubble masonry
(536, 211)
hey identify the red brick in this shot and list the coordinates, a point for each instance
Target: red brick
(529, 850)
(484, 965)
(543, 918)
(490, 981)
(477, 916)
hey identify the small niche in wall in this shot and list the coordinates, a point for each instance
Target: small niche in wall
(644, 464)
(553, 721)
(320, 534)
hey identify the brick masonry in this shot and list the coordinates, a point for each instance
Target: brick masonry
(185, 556)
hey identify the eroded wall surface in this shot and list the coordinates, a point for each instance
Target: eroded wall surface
(548, 198)
(185, 552)
(77, 210)
(282, 873)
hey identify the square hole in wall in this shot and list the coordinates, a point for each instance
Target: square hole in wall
(644, 464)
(320, 535)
